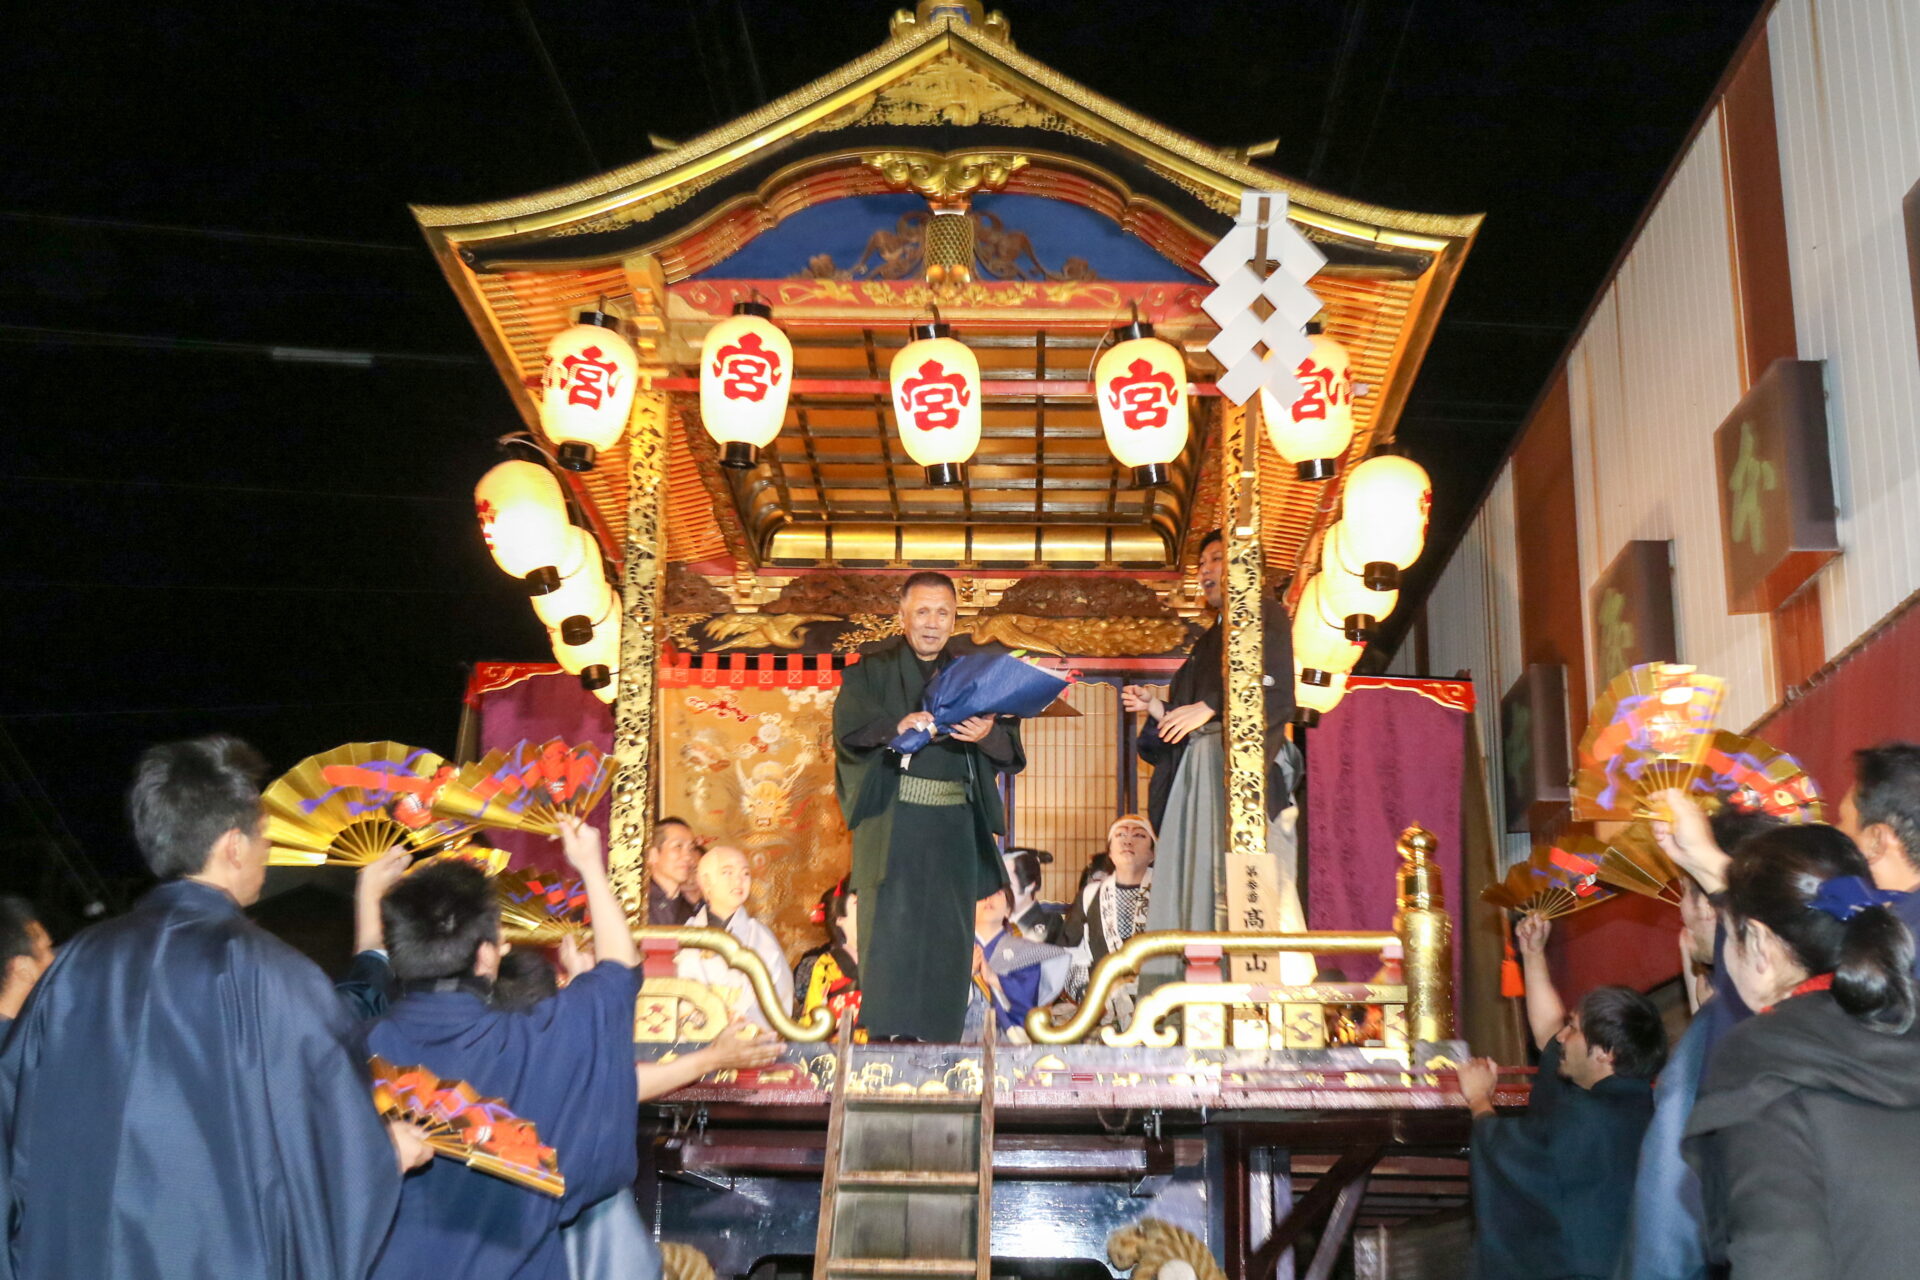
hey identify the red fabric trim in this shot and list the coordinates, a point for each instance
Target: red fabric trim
(490, 677)
(1455, 695)
(765, 671)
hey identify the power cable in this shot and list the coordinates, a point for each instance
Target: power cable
(1386, 88)
(559, 87)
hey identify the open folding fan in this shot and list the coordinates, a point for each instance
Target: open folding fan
(538, 909)
(1651, 729)
(350, 805)
(1552, 883)
(529, 787)
(1634, 864)
(491, 862)
(1757, 777)
(482, 1132)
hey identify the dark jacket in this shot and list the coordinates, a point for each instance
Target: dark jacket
(1807, 1141)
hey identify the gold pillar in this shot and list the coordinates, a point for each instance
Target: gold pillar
(1245, 721)
(1426, 938)
(633, 715)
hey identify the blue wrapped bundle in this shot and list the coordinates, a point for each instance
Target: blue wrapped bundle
(982, 684)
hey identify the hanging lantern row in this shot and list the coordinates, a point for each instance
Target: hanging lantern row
(1381, 532)
(523, 518)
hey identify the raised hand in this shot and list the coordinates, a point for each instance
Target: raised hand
(1138, 697)
(370, 885)
(1687, 838)
(410, 1147)
(582, 846)
(1530, 935)
(1477, 1077)
(1176, 724)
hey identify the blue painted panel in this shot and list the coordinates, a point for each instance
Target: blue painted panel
(844, 233)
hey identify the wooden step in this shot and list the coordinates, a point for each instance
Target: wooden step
(920, 1101)
(958, 1268)
(909, 1180)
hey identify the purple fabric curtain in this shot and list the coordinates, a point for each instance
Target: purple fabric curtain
(1390, 755)
(541, 707)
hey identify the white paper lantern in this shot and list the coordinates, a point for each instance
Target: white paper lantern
(1347, 596)
(584, 599)
(1320, 644)
(1387, 501)
(523, 518)
(596, 662)
(1313, 432)
(936, 402)
(1311, 701)
(746, 374)
(1141, 385)
(587, 389)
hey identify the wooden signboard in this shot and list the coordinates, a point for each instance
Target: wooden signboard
(1776, 487)
(1630, 610)
(1535, 752)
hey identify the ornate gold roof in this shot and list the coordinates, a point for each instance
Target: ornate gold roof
(637, 235)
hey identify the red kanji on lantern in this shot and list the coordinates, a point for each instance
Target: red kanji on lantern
(934, 397)
(589, 377)
(747, 369)
(1144, 397)
(1321, 389)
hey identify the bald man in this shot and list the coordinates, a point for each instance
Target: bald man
(725, 878)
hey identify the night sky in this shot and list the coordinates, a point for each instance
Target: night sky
(245, 415)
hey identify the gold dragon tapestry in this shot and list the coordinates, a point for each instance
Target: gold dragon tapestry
(747, 758)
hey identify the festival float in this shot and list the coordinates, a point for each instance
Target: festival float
(945, 308)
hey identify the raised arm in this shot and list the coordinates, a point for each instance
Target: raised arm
(1546, 1015)
(612, 939)
(1687, 838)
(732, 1049)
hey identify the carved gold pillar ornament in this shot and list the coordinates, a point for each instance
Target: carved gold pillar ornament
(1426, 935)
(1245, 725)
(633, 715)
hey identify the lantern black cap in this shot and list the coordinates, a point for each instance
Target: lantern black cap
(1380, 575)
(931, 329)
(1136, 328)
(1152, 475)
(1314, 326)
(595, 677)
(1317, 678)
(542, 581)
(738, 455)
(576, 455)
(576, 630)
(753, 307)
(1306, 717)
(1317, 468)
(1358, 627)
(604, 319)
(945, 475)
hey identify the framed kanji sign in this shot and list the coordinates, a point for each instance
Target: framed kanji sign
(1776, 487)
(1630, 610)
(1534, 747)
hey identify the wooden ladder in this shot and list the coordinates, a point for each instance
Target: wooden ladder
(907, 1191)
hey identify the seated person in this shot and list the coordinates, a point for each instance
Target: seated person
(725, 879)
(1015, 975)
(829, 975)
(566, 1065)
(1551, 1188)
(1113, 909)
(1032, 919)
(672, 853)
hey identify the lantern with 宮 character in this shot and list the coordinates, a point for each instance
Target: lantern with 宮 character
(1313, 432)
(587, 389)
(584, 599)
(936, 402)
(523, 518)
(1387, 501)
(1320, 644)
(596, 662)
(1311, 701)
(746, 372)
(1348, 597)
(1141, 385)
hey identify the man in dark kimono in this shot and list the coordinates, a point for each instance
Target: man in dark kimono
(183, 1094)
(1198, 692)
(566, 1065)
(1551, 1188)
(672, 855)
(923, 838)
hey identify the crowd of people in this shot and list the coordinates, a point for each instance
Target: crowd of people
(1778, 1136)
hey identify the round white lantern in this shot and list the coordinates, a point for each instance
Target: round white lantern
(1346, 594)
(584, 599)
(1320, 644)
(587, 388)
(1313, 431)
(596, 662)
(746, 373)
(1387, 501)
(523, 518)
(1141, 385)
(936, 402)
(1311, 701)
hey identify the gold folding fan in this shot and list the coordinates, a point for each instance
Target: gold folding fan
(1551, 883)
(348, 806)
(1651, 729)
(528, 787)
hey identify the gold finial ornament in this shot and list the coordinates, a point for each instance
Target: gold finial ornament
(1426, 935)
(965, 13)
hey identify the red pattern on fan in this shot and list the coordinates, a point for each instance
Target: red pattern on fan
(460, 1124)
